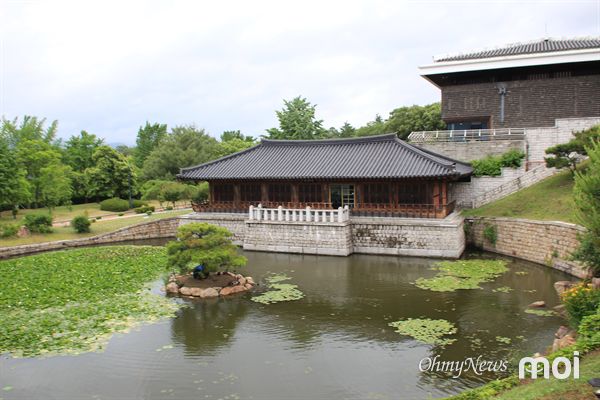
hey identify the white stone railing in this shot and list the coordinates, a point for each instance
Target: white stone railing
(467, 135)
(298, 214)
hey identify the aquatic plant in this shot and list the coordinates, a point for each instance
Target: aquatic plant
(462, 274)
(503, 289)
(278, 291)
(430, 331)
(541, 313)
(503, 339)
(72, 301)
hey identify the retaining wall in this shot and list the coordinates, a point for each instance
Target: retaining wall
(161, 228)
(545, 242)
(469, 151)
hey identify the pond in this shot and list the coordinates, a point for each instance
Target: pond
(335, 343)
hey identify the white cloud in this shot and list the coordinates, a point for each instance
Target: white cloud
(108, 66)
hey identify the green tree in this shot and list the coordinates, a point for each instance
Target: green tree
(234, 135)
(570, 153)
(405, 120)
(297, 121)
(55, 185)
(183, 147)
(233, 146)
(14, 188)
(30, 128)
(148, 138)
(33, 156)
(205, 244)
(111, 175)
(375, 127)
(586, 194)
(347, 130)
(79, 150)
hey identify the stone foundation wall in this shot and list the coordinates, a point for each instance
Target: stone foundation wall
(411, 237)
(162, 228)
(299, 237)
(469, 151)
(545, 242)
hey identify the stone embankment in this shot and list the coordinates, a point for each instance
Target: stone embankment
(186, 286)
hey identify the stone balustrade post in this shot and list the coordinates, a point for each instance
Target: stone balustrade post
(279, 213)
(340, 212)
(308, 216)
(251, 213)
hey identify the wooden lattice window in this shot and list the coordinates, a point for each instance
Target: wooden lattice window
(310, 193)
(223, 192)
(280, 192)
(378, 193)
(415, 193)
(250, 192)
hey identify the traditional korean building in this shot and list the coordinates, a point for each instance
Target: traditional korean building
(372, 176)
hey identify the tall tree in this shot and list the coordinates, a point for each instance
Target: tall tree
(183, 147)
(148, 137)
(297, 120)
(375, 127)
(111, 176)
(80, 149)
(30, 128)
(405, 120)
(55, 185)
(235, 135)
(33, 156)
(14, 188)
(347, 130)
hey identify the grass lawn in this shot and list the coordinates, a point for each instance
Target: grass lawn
(550, 199)
(67, 213)
(101, 226)
(568, 389)
(79, 299)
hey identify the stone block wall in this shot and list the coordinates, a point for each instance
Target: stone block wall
(465, 192)
(299, 237)
(162, 228)
(545, 242)
(472, 150)
(539, 139)
(411, 237)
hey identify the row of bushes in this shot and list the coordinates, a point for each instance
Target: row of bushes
(492, 165)
(119, 205)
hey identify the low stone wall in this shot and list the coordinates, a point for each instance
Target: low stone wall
(545, 242)
(411, 237)
(334, 239)
(161, 228)
(472, 150)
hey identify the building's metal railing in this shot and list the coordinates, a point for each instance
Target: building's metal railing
(307, 214)
(467, 135)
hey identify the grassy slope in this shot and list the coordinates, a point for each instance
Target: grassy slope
(101, 226)
(550, 199)
(568, 389)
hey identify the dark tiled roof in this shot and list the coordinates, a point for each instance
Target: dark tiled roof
(539, 46)
(373, 157)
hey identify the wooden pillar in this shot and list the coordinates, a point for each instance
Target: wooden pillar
(237, 195)
(444, 193)
(211, 192)
(394, 189)
(436, 194)
(295, 194)
(325, 195)
(264, 192)
(359, 195)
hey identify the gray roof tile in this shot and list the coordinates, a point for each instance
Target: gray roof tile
(539, 46)
(372, 157)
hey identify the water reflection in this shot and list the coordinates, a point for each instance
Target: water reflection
(334, 343)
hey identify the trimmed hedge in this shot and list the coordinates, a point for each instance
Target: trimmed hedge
(144, 209)
(81, 224)
(492, 165)
(115, 204)
(38, 223)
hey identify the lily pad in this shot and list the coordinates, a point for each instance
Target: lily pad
(503, 289)
(503, 339)
(278, 291)
(541, 313)
(430, 331)
(462, 274)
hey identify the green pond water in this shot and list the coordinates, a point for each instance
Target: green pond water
(334, 343)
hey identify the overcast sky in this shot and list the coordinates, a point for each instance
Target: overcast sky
(107, 67)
